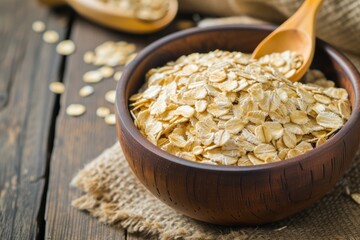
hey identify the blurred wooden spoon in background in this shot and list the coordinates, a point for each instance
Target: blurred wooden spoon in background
(115, 17)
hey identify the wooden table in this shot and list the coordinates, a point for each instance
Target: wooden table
(41, 148)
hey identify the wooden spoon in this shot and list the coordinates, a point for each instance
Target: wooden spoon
(295, 34)
(114, 17)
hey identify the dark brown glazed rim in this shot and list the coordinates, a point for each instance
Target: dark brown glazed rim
(127, 124)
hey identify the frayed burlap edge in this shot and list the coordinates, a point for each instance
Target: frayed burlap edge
(112, 194)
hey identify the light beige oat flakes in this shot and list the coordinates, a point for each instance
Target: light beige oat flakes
(50, 36)
(93, 76)
(102, 112)
(110, 119)
(143, 10)
(224, 108)
(38, 26)
(65, 47)
(86, 91)
(89, 57)
(112, 54)
(75, 110)
(117, 75)
(110, 96)
(57, 87)
(106, 71)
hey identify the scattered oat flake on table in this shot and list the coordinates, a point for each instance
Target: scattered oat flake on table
(75, 110)
(356, 197)
(102, 112)
(130, 58)
(110, 119)
(57, 87)
(93, 76)
(117, 75)
(89, 57)
(65, 47)
(110, 96)
(113, 53)
(86, 91)
(50, 36)
(106, 71)
(38, 26)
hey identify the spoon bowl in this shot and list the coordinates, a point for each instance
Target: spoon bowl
(296, 34)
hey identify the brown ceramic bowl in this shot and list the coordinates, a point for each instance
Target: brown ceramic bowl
(231, 195)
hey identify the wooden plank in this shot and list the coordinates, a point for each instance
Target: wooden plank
(27, 65)
(79, 140)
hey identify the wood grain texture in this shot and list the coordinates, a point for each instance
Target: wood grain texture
(236, 195)
(27, 66)
(79, 140)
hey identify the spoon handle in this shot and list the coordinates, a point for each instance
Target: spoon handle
(304, 18)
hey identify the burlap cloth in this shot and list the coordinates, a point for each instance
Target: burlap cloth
(111, 193)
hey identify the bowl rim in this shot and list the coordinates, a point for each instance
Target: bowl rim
(126, 122)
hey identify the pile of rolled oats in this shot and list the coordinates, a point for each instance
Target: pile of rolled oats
(147, 10)
(224, 108)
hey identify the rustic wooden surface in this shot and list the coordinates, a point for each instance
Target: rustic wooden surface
(26, 67)
(41, 148)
